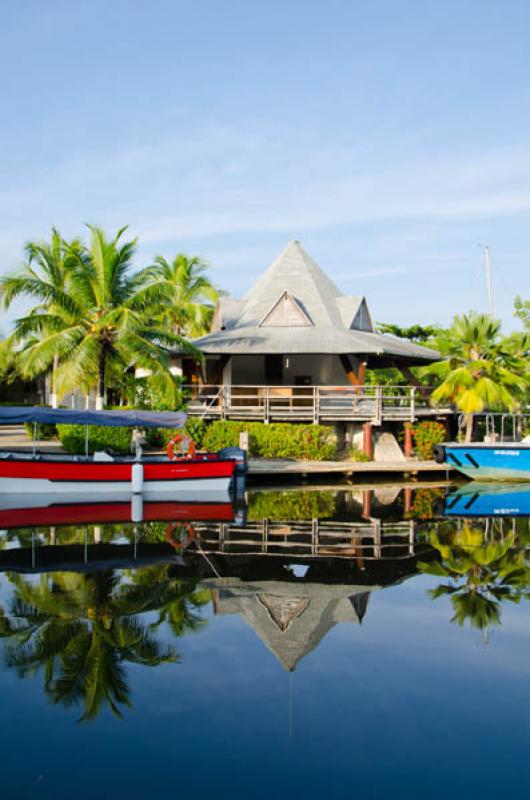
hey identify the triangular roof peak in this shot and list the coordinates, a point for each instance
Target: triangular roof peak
(286, 312)
(294, 272)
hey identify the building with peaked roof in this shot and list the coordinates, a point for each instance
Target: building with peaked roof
(295, 327)
(290, 619)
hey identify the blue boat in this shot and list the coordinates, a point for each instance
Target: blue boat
(505, 461)
(488, 500)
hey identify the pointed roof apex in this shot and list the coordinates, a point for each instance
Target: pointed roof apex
(294, 272)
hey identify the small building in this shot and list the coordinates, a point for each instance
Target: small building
(297, 348)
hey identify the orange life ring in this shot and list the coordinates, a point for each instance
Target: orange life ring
(180, 542)
(186, 447)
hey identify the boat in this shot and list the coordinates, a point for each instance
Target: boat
(488, 500)
(187, 476)
(481, 461)
(33, 511)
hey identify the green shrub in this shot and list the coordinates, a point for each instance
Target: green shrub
(43, 430)
(277, 440)
(99, 438)
(426, 435)
(291, 505)
(195, 427)
(358, 455)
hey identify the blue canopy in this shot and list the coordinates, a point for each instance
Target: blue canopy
(13, 415)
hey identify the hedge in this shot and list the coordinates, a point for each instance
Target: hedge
(99, 438)
(287, 506)
(195, 427)
(276, 440)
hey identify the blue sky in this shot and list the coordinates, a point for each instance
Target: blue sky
(391, 138)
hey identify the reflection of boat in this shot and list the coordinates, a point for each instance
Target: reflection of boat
(103, 473)
(505, 461)
(20, 515)
(481, 500)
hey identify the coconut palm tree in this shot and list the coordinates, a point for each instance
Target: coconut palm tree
(483, 572)
(80, 630)
(185, 296)
(44, 277)
(102, 326)
(480, 370)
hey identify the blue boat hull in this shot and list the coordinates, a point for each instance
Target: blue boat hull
(488, 500)
(488, 462)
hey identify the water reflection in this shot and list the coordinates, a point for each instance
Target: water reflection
(84, 602)
(80, 631)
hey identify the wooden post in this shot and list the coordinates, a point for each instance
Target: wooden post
(378, 411)
(367, 440)
(223, 403)
(407, 499)
(407, 439)
(266, 405)
(355, 377)
(367, 503)
(412, 404)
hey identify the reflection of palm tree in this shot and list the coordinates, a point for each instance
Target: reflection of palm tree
(176, 601)
(81, 630)
(483, 574)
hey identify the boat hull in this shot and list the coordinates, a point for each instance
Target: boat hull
(186, 479)
(484, 462)
(488, 500)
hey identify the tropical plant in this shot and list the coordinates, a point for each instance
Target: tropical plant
(416, 333)
(183, 295)
(82, 629)
(483, 572)
(44, 277)
(522, 311)
(101, 327)
(480, 369)
(426, 435)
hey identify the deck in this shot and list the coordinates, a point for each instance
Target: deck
(315, 404)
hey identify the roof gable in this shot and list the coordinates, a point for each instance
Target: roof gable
(286, 312)
(294, 272)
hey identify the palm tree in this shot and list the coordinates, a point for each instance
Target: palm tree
(102, 326)
(480, 370)
(81, 630)
(185, 295)
(482, 572)
(44, 277)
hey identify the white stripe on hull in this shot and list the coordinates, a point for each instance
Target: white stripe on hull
(88, 490)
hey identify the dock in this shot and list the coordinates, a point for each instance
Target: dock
(280, 467)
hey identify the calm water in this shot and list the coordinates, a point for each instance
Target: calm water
(313, 644)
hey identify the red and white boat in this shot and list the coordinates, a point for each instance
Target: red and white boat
(102, 474)
(28, 512)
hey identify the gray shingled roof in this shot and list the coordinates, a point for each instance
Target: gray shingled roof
(313, 610)
(341, 324)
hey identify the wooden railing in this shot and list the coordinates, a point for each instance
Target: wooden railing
(309, 403)
(312, 538)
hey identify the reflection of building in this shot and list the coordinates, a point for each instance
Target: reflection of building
(291, 619)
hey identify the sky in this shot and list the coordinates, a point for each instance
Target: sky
(390, 138)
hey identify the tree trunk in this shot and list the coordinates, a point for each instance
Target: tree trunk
(100, 399)
(53, 383)
(469, 428)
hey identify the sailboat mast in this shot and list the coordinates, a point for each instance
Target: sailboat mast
(489, 280)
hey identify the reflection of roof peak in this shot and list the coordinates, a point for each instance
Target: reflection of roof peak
(291, 619)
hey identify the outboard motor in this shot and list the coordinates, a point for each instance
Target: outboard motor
(438, 453)
(238, 455)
